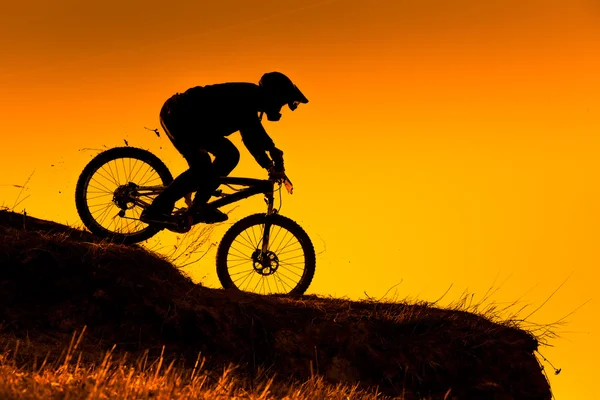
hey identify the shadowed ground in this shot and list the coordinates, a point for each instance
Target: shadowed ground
(55, 280)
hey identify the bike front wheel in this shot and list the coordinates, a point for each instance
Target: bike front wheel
(287, 267)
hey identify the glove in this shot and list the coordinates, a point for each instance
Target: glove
(277, 156)
(276, 175)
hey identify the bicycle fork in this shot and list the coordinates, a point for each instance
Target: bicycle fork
(270, 211)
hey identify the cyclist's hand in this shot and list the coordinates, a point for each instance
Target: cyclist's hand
(277, 156)
(276, 175)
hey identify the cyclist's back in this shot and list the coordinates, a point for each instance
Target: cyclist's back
(206, 112)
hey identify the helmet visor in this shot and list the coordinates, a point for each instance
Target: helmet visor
(297, 98)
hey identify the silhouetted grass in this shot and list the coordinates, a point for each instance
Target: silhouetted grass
(54, 280)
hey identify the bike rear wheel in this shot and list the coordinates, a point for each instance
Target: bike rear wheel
(287, 267)
(106, 198)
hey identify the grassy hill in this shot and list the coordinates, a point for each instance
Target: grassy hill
(134, 305)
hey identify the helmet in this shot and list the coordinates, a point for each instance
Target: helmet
(280, 88)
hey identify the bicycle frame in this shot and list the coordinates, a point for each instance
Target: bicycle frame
(253, 187)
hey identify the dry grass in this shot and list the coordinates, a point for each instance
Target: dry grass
(152, 379)
(188, 248)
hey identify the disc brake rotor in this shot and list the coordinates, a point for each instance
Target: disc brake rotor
(265, 263)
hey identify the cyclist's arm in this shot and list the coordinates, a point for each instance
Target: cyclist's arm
(258, 142)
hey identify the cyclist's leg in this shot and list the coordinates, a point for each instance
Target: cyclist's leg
(188, 181)
(227, 157)
(178, 131)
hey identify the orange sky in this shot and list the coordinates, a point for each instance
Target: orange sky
(444, 142)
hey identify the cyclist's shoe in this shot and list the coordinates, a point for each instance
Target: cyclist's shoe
(157, 217)
(207, 215)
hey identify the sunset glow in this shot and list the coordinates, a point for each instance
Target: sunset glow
(445, 143)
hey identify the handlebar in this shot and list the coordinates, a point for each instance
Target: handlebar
(285, 181)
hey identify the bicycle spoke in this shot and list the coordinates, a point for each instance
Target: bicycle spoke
(97, 192)
(145, 173)
(283, 283)
(299, 259)
(269, 285)
(245, 245)
(108, 179)
(107, 189)
(276, 251)
(259, 280)
(289, 251)
(112, 174)
(137, 222)
(295, 273)
(246, 277)
(97, 197)
(279, 273)
(138, 171)
(148, 181)
(125, 175)
(128, 169)
(287, 244)
(254, 277)
(105, 213)
(237, 258)
(253, 235)
(274, 238)
(293, 264)
(101, 204)
(109, 172)
(242, 272)
(260, 236)
(125, 224)
(276, 285)
(292, 258)
(106, 192)
(117, 171)
(113, 222)
(247, 238)
(240, 254)
(239, 263)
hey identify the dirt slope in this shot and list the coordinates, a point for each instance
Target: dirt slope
(55, 280)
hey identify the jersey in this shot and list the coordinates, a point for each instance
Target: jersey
(219, 110)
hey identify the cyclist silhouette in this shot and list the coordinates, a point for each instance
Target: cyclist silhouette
(197, 123)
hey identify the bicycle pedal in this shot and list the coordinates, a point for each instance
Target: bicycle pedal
(181, 226)
(159, 222)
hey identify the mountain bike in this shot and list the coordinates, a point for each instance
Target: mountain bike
(264, 253)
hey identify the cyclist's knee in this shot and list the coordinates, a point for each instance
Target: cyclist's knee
(226, 158)
(198, 159)
(234, 157)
